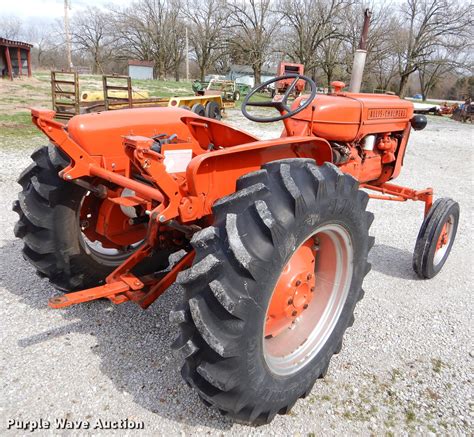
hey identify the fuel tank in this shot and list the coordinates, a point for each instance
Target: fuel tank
(349, 117)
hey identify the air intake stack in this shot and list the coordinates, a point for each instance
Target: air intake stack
(360, 55)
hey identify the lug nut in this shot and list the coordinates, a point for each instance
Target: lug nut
(305, 306)
(294, 313)
(312, 289)
(309, 276)
(298, 283)
(290, 301)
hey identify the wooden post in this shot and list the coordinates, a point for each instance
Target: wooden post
(20, 67)
(106, 93)
(53, 89)
(9, 63)
(28, 61)
(129, 90)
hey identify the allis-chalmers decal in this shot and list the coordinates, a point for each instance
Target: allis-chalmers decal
(375, 113)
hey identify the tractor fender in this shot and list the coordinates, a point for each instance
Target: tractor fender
(213, 175)
(102, 133)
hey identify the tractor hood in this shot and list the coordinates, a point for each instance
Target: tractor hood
(348, 117)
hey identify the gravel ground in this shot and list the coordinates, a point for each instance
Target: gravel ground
(405, 368)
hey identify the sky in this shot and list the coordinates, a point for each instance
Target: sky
(46, 9)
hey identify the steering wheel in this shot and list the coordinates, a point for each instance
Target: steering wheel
(280, 105)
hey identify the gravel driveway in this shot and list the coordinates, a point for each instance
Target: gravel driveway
(406, 365)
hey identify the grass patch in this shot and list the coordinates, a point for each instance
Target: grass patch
(437, 365)
(410, 416)
(17, 125)
(396, 373)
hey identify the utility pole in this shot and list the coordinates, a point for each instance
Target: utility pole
(187, 56)
(66, 31)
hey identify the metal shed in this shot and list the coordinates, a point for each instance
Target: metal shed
(244, 74)
(15, 58)
(140, 69)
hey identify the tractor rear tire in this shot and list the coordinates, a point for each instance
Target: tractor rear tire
(431, 252)
(199, 109)
(228, 356)
(48, 209)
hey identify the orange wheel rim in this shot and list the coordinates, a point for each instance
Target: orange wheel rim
(444, 240)
(308, 299)
(294, 289)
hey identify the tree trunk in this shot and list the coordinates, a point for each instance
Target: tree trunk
(422, 85)
(160, 67)
(329, 76)
(257, 74)
(402, 88)
(202, 72)
(176, 73)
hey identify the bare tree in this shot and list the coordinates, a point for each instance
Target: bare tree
(133, 31)
(46, 38)
(11, 27)
(91, 34)
(152, 30)
(174, 38)
(207, 20)
(384, 70)
(253, 26)
(432, 70)
(310, 23)
(425, 26)
(154, 14)
(330, 59)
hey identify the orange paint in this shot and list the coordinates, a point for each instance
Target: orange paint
(293, 291)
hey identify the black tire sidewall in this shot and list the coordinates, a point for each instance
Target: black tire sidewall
(68, 240)
(199, 109)
(442, 210)
(213, 111)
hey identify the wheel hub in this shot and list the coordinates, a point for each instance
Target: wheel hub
(444, 240)
(444, 236)
(294, 290)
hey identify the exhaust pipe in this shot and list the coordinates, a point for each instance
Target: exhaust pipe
(360, 56)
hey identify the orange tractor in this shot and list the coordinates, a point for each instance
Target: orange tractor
(287, 69)
(273, 234)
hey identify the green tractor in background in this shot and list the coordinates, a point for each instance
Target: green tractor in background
(227, 89)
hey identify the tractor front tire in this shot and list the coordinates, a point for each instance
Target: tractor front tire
(48, 209)
(436, 238)
(238, 355)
